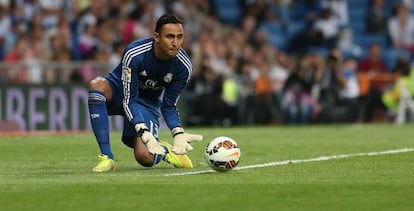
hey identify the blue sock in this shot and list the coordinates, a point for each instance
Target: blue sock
(100, 121)
(159, 158)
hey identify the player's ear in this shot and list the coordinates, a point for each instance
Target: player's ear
(157, 37)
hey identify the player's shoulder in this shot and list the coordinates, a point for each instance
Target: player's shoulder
(185, 59)
(137, 48)
(183, 53)
(143, 43)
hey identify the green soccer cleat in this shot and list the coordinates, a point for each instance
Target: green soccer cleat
(105, 164)
(179, 161)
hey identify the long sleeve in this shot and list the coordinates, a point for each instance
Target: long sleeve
(131, 83)
(172, 93)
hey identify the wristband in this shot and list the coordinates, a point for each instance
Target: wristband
(141, 128)
(141, 131)
(176, 131)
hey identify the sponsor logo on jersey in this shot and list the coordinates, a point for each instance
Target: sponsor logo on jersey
(150, 84)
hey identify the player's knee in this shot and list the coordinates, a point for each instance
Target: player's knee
(146, 161)
(101, 84)
(142, 156)
(98, 83)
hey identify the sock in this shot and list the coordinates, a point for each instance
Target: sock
(100, 121)
(159, 158)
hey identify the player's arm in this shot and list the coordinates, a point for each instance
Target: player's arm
(130, 84)
(171, 116)
(132, 108)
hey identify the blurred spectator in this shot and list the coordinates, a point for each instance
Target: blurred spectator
(409, 4)
(336, 91)
(63, 30)
(116, 55)
(139, 24)
(87, 41)
(18, 55)
(51, 9)
(391, 97)
(376, 17)
(372, 104)
(378, 99)
(104, 38)
(230, 96)
(208, 105)
(36, 21)
(248, 27)
(401, 29)
(89, 71)
(39, 39)
(128, 25)
(97, 9)
(325, 30)
(29, 8)
(278, 11)
(263, 107)
(279, 73)
(373, 78)
(312, 72)
(349, 81)
(32, 62)
(339, 9)
(18, 27)
(247, 92)
(60, 71)
(348, 96)
(5, 28)
(373, 62)
(298, 104)
(192, 12)
(257, 9)
(369, 68)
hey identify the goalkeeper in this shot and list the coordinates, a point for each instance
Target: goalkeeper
(145, 85)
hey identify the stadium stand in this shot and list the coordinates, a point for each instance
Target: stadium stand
(70, 42)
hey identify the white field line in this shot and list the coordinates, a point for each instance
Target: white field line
(285, 162)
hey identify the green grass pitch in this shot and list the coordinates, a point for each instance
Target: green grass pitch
(53, 172)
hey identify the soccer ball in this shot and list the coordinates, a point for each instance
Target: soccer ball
(222, 154)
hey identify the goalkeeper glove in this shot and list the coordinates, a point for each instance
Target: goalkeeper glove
(149, 140)
(182, 139)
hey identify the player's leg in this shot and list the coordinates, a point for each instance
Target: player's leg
(99, 93)
(141, 153)
(143, 156)
(179, 161)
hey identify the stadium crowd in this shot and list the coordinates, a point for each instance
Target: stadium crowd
(255, 61)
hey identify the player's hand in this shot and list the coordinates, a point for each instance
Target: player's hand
(149, 140)
(182, 141)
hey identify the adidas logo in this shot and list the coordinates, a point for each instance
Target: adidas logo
(143, 73)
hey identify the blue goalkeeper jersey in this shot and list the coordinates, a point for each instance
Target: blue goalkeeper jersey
(149, 83)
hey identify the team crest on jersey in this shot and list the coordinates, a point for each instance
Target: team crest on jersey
(126, 73)
(168, 77)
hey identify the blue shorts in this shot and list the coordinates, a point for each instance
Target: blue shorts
(129, 134)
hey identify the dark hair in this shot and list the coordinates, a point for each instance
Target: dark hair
(166, 19)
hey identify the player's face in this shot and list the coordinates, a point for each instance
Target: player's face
(168, 42)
